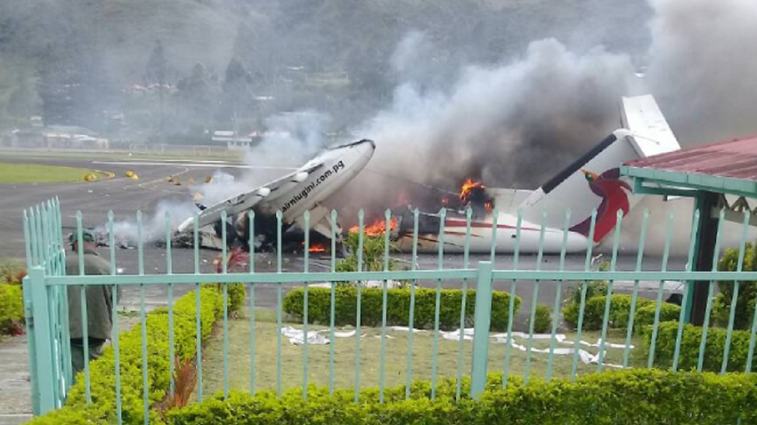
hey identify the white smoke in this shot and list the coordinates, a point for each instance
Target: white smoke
(172, 212)
(703, 67)
(703, 73)
(290, 140)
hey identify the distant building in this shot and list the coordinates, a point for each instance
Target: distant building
(232, 140)
(56, 137)
(235, 141)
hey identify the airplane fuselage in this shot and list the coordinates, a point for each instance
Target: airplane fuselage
(505, 238)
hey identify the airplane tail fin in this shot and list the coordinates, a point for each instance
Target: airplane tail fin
(593, 181)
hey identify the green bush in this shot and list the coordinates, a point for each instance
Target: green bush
(747, 290)
(237, 294)
(721, 307)
(398, 306)
(594, 288)
(373, 253)
(620, 310)
(690, 344)
(621, 397)
(543, 319)
(11, 307)
(12, 271)
(645, 314)
(102, 370)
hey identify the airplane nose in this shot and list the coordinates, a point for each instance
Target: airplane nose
(367, 141)
(370, 149)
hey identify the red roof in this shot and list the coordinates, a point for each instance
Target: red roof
(734, 159)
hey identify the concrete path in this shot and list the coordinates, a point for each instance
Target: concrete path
(15, 386)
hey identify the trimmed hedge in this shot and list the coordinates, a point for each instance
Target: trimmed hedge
(645, 314)
(398, 306)
(690, 345)
(621, 397)
(11, 307)
(745, 303)
(542, 319)
(102, 370)
(620, 310)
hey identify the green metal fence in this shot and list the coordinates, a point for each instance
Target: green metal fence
(45, 295)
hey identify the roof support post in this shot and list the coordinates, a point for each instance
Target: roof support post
(703, 256)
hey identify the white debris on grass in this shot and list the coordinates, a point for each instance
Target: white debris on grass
(297, 337)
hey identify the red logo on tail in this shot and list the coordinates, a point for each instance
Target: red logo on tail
(612, 190)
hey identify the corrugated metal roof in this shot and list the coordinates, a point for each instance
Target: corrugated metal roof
(730, 159)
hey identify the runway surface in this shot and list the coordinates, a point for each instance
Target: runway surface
(124, 197)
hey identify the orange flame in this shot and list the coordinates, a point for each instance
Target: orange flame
(317, 248)
(468, 187)
(376, 228)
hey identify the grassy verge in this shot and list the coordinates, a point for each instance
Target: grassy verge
(122, 155)
(370, 345)
(36, 173)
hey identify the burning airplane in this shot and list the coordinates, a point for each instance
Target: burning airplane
(301, 190)
(593, 181)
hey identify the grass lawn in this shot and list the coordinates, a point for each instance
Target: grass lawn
(36, 173)
(174, 155)
(370, 345)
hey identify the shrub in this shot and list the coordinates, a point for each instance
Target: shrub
(398, 306)
(237, 295)
(620, 309)
(721, 307)
(747, 290)
(645, 314)
(690, 344)
(102, 370)
(11, 308)
(622, 397)
(594, 288)
(543, 319)
(373, 253)
(12, 271)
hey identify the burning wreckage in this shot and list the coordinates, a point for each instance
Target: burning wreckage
(592, 182)
(301, 190)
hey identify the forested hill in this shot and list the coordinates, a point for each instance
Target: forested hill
(184, 66)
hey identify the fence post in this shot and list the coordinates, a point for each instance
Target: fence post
(482, 323)
(30, 334)
(43, 366)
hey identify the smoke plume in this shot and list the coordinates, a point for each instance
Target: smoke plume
(703, 67)
(512, 125)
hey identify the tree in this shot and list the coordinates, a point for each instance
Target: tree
(155, 76)
(236, 93)
(196, 96)
(56, 80)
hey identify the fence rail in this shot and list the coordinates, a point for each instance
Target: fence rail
(48, 287)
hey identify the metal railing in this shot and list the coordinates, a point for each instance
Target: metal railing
(46, 301)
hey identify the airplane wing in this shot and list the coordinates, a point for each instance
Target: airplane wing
(243, 202)
(650, 133)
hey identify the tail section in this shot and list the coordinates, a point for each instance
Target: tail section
(593, 181)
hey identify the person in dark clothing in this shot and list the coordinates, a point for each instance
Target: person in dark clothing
(99, 302)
